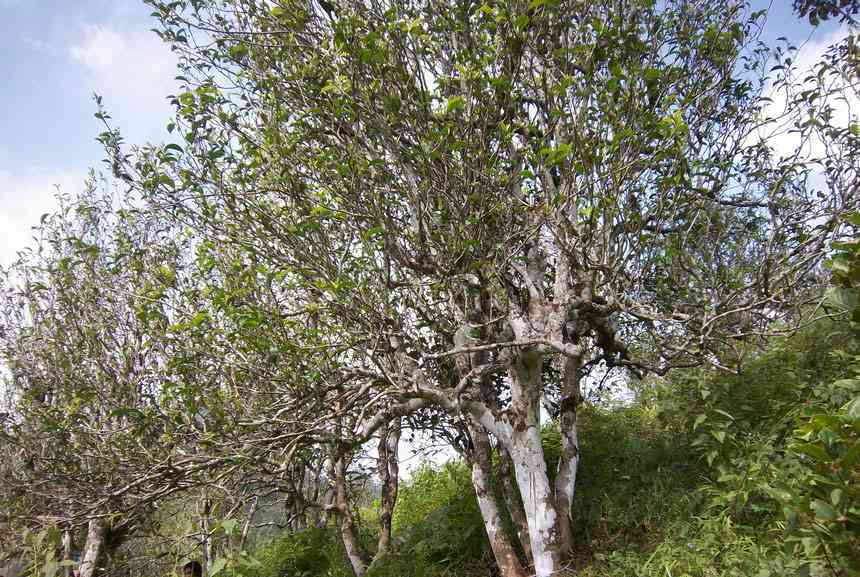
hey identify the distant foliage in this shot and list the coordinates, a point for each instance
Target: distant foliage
(818, 11)
(309, 553)
(438, 526)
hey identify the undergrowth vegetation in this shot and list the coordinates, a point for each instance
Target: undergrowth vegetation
(708, 474)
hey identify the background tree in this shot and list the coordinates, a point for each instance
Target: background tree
(85, 371)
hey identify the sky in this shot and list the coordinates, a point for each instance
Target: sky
(57, 53)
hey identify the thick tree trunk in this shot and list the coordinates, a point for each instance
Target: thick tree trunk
(523, 442)
(205, 530)
(538, 500)
(96, 531)
(246, 528)
(297, 504)
(565, 481)
(479, 458)
(389, 475)
(296, 508)
(327, 511)
(514, 503)
(348, 528)
(67, 551)
(482, 471)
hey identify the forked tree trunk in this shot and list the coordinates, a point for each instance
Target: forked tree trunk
(96, 531)
(482, 471)
(479, 458)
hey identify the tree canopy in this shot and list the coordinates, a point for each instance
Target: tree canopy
(426, 215)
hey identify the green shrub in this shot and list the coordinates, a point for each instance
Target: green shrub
(633, 480)
(780, 441)
(310, 553)
(438, 528)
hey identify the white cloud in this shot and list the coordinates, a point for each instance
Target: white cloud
(780, 134)
(39, 45)
(102, 47)
(133, 71)
(24, 197)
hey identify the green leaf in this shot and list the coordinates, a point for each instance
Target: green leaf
(229, 525)
(835, 497)
(850, 458)
(391, 103)
(217, 566)
(557, 155)
(186, 99)
(711, 456)
(815, 451)
(699, 420)
(843, 298)
(238, 51)
(373, 232)
(823, 510)
(852, 409)
(521, 22)
(320, 211)
(455, 104)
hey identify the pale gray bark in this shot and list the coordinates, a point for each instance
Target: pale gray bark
(538, 500)
(246, 528)
(96, 530)
(478, 454)
(524, 445)
(565, 481)
(514, 502)
(67, 551)
(480, 462)
(348, 528)
(205, 531)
